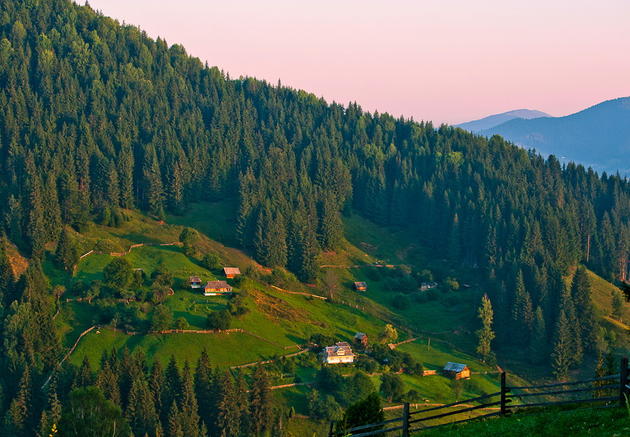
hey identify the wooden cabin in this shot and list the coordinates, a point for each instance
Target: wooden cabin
(456, 371)
(231, 272)
(428, 286)
(361, 339)
(360, 286)
(195, 282)
(216, 288)
(338, 354)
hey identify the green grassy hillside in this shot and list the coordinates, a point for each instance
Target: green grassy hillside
(542, 423)
(438, 324)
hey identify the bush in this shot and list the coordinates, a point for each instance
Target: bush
(373, 274)
(365, 412)
(358, 386)
(162, 318)
(118, 273)
(329, 379)
(220, 320)
(323, 407)
(412, 396)
(451, 284)
(400, 302)
(366, 363)
(211, 261)
(321, 340)
(392, 387)
(181, 323)
(236, 305)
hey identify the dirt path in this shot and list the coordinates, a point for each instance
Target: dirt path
(395, 345)
(240, 366)
(295, 384)
(316, 296)
(74, 346)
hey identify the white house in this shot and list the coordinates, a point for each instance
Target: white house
(339, 353)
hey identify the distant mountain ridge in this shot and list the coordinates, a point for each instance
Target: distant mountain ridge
(597, 137)
(496, 119)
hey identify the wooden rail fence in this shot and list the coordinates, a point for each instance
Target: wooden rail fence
(612, 391)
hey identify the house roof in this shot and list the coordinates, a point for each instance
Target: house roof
(217, 284)
(360, 284)
(195, 279)
(454, 367)
(231, 270)
(360, 335)
(341, 349)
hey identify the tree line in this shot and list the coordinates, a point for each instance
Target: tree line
(97, 117)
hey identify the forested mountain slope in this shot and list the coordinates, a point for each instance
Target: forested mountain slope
(97, 117)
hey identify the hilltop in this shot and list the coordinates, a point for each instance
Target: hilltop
(597, 137)
(494, 120)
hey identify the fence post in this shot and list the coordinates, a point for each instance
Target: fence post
(503, 394)
(405, 430)
(623, 381)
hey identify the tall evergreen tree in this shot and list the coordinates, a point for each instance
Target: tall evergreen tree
(538, 349)
(260, 401)
(485, 334)
(584, 312)
(561, 356)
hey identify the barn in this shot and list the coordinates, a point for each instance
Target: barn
(456, 370)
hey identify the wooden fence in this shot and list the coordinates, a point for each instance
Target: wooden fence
(610, 391)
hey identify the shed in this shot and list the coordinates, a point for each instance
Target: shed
(457, 370)
(231, 272)
(195, 282)
(214, 288)
(428, 286)
(360, 286)
(361, 339)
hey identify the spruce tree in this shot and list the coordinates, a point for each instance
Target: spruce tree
(189, 408)
(84, 376)
(561, 356)
(156, 384)
(485, 334)
(584, 312)
(228, 411)
(18, 416)
(67, 254)
(140, 412)
(172, 387)
(107, 382)
(203, 388)
(174, 426)
(538, 344)
(522, 312)
(260, 401)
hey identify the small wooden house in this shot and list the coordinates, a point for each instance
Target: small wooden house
(195, 282)
(360, 286)
(361, 339)
(456, 370)
(215, 288)
(339, 353)
(231, 272)
(428, 286)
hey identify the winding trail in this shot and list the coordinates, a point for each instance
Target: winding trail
(301, 293)
(74, 346)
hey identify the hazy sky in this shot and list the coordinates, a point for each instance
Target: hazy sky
(441, 60)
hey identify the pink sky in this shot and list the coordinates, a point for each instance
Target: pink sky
(442, 60)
